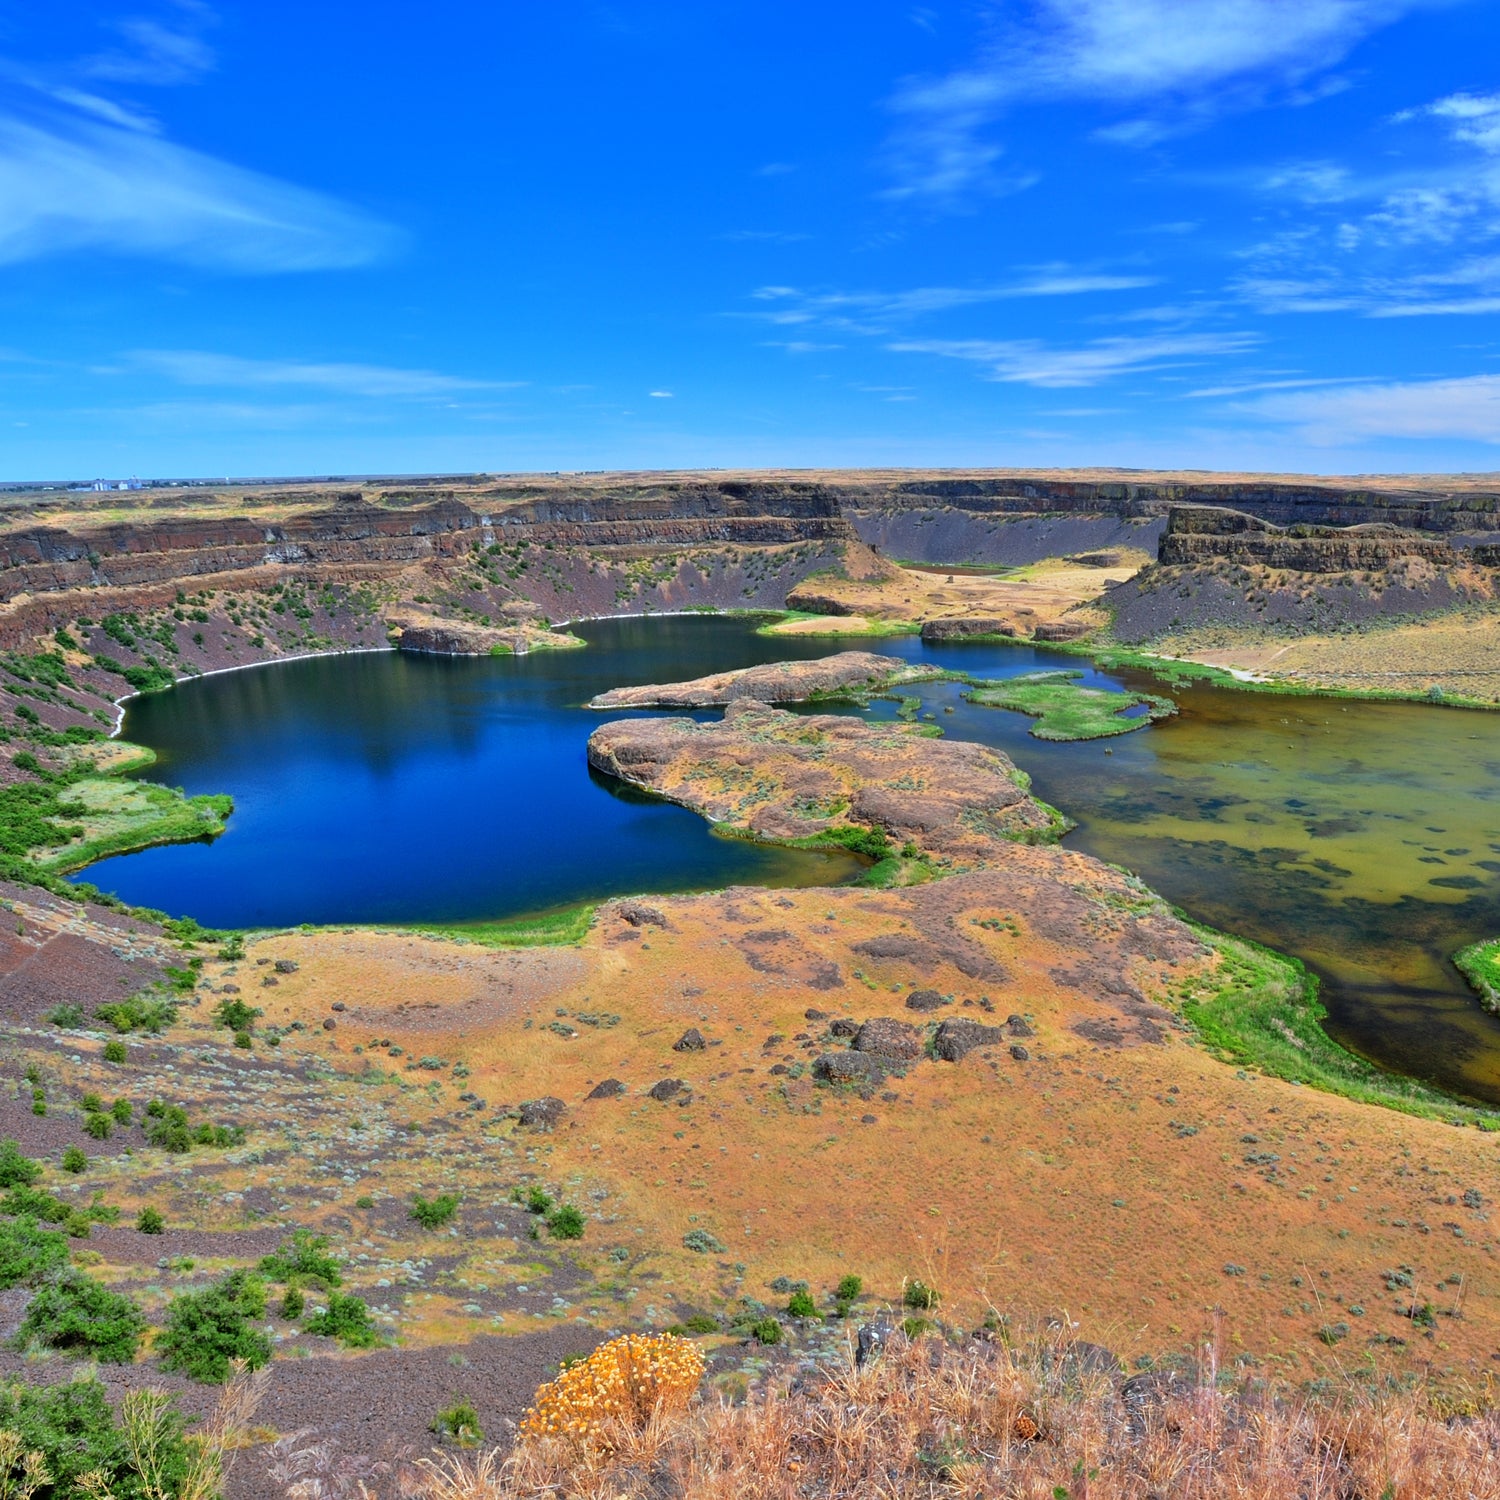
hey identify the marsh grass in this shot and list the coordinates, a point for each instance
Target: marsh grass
(1066, 710)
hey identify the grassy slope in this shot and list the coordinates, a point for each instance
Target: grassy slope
(1479, 963)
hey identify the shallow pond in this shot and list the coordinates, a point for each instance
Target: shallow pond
(1362, 837)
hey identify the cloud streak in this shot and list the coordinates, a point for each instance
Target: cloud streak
(1031, 362)
(194, 367)
(1466, 407)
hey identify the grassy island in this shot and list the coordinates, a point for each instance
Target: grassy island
(1065, 710)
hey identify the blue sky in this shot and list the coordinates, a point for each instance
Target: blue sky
(282, 238)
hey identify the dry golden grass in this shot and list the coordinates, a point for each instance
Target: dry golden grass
(983, 1421)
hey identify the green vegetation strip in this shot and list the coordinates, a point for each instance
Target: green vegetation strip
(1260, 1009)
(549, 929)
(1065, 710)
(1479, 963)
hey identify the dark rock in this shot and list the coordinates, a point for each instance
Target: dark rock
(870, 1342)
(887, 1037)
(330, 1024)
(668, 1088)
(778, 1069)
(269, 980)
(339, 1005)
(1019, 1026)
(639, 915)
(925, 1000)
(611, 1088)
(691, 1040)
(286, 966)
(1061, 630)
(848, 1067)
(815, 1015)
(867, 1119)
(958, 1037)
(845, 1027)
(1020, 1054)
(542, 1114)
(959, 627)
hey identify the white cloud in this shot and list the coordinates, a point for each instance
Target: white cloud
(660, 395)
(1476, 118)
(1467, 408)
(1183, 59)
(200, 368)
(1030, 362)
(154, 53)
(86, 185)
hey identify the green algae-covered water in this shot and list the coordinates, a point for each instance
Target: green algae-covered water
(1362, 837)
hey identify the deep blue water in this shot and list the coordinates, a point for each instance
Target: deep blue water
(389, 787)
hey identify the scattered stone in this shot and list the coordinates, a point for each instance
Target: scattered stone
(668, 1088)
(815, 1015)
(887, 1037)
(269, 980)
(541, 1114)
(925, 1000)
(844, 1027)
(330, 1024)
(611, 1088)
(778, 1069)
(1019, 1026)
(691, 1040)
(870, 1342)
(640, 915)
(286, 966)
(867, 1119)
(958, 1037)
(339, 1005)
(1020, 1054)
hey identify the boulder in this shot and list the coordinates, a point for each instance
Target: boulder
(925, 1000)
(958, 1037)
(541, 1114)
(844, 1027)
(1019, 1026)
(691, 1040)
(849, 1067)
(668, 1088)
(611, 1088)
(885, 1036)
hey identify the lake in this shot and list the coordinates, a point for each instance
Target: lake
(396, 788)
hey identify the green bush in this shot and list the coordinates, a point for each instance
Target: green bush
(115, 1052)
(139, 1013)
(91, 1104)
(920, 1296)
(73, 1427)
(74, 1313)
(766, 1331)
(347, 1319)
(29, 1253)
(236, 1015)
(73, 1160)
(565, 1223)
(150, 1221)
(433, 1213)
(34, 1203)
(460, 1422)
(69, 1017)
(302, 1257)
(849, 1289)
(98, 1126)
(15, 1169)
(802, 1305)
(293, 1303)
(122, 1111)
(207, 1329)
(538, 1199)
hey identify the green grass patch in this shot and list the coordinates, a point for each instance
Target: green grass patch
(1479, 963)
(1260, 1009)
(1066, 710)
(836, 625)
(564, 927)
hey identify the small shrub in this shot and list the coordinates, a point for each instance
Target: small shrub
(236, 1015)
(364, 1201)
(17, 1170)
(914, 1328)
(207, 1329)
(98, 1126)
(628, 1380)
(115, 1051)
(702, 1242)
(433, 1213)
(233, 950)
(565, 1223)
(702, 1323)
(302, 1257)
(459, 1422)
(91, 1104)
(293, 1303)
(73, 1160)
(766, 1331)
(69, 1017)
(347, 1319)
(849, 1289)
(244, 1040)
(538, 1200)
(34, 1203)
(122, 1111)
(29, 1253)
(151, 1014)
(39, 1103)
(919, 1296)
(802, 1306)
(76, 1314)
(150, 1221)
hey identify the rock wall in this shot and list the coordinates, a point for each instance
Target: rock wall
(1197, 535)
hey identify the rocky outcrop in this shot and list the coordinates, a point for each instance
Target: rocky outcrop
(459, 638)
(784, 776)
(1203, 534)
(967, 627)
(849, 674)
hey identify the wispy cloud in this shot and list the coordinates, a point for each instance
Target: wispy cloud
(791, 305)
(1181, 60)
(1475, 118)
(82, 169)
(200, 368)
(1031, 362)
(1467, 407)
